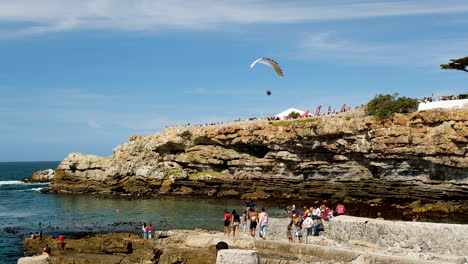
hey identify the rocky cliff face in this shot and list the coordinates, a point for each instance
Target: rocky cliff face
(420, 156)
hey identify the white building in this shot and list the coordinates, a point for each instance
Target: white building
(288, 111)
(448, 104)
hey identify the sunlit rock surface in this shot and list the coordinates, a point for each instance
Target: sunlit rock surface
(419, 156)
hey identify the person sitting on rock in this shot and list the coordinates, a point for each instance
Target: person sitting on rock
(47, 250)
(318, 226)
(340, 209)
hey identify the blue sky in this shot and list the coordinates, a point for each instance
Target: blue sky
(82, 76)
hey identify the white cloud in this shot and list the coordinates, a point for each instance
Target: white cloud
(414, 53)
(64, 15)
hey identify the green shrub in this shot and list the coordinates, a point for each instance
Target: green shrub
(463, 96)
(385, 106)
(294, 115)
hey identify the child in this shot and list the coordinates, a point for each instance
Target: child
(290, 237)
(299, 233)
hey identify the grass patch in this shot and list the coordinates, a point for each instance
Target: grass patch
(178, 173)
(289, 122)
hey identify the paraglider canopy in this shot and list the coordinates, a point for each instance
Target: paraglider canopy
(269, 62)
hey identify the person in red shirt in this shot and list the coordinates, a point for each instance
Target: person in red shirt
(61, 242)
(150, 229)
(227, 222)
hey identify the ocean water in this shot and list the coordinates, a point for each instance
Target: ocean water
(24, 210)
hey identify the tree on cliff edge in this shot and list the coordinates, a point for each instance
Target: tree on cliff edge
(456, 64)
(385, 105)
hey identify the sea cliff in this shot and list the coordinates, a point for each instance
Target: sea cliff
(418, 156)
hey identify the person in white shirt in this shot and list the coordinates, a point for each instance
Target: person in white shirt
(317, 213)
(307, 225)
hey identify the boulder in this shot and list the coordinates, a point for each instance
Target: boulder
(237, 256)
(41, 176)
(35, 260)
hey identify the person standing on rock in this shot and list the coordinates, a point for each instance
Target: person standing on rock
(307, 226)
(61, 242)
(249, 204)
(245, 221)
(235, 221)
(227, 222)
(150, 231)
(289, 233)
(145, 231)
(263, 224)
(253, 216)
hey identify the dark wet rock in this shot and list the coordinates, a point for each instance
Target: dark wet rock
(11, 230)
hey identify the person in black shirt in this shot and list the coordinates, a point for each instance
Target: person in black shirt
(47, 250)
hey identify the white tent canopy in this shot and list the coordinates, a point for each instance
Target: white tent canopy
(288, 111)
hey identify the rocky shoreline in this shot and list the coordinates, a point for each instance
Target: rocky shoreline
(346, 240)
(406, 160)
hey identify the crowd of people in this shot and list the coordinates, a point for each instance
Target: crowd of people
(250, 220)
(302, 223)
(440, 98)
(309, 221)
(331, 111)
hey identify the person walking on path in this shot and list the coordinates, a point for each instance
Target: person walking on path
(307, 226)
(263, 223)
(227, 222)
(145, 231)
(150, 231)
(235, 223)
(245, 221)
(253, 215)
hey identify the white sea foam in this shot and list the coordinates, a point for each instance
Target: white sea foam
(36, 189)
(11, 182)
(17, 214)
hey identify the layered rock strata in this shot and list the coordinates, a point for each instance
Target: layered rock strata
(419, 156)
